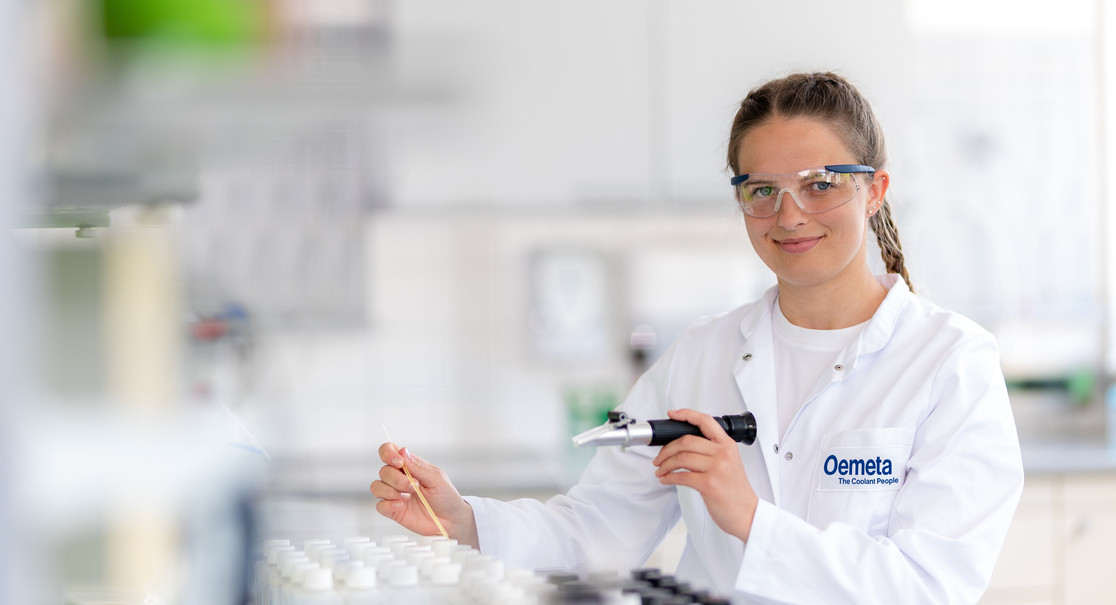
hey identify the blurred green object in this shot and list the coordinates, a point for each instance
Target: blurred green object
(588, 407)
(206, 23)
(1080, 385)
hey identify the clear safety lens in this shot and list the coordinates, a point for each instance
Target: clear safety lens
(814, 190)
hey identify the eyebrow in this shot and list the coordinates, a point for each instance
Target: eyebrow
(757, 179)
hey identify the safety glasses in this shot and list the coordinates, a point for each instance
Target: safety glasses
(814, 190)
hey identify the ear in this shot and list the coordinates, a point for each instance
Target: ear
(878, 189)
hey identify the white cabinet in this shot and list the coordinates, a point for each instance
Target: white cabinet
(1026, 570)
(1089, 539)
(1061, 547)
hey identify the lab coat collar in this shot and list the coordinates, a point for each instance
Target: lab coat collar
(882, 325)
(761, 312)
(879, 328)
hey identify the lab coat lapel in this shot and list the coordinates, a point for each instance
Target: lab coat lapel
(754, 372)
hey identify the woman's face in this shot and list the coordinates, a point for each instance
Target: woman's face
(806, 249)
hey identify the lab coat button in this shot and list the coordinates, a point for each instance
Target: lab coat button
(747, 356)
(789, 455)
(838, 367)
(776, 448)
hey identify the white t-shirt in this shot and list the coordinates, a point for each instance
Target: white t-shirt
(803, 362)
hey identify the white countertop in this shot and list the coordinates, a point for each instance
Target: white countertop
(1068, 457)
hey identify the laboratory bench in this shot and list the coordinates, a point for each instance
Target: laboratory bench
(1059, 549)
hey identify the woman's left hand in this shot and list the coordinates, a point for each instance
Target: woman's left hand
(713, 467)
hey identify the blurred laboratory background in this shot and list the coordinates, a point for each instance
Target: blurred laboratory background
(247, 237)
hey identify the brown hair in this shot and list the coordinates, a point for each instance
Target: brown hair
(833, 100)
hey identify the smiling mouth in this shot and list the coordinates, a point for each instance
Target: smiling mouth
(798, 244)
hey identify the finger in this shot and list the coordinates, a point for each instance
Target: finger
(708, 425)
(684, 478)
(686, 443)
(425, 473)
(396, 479)
(389, 454)
(686, 461)
(392, 509)
(384, 491)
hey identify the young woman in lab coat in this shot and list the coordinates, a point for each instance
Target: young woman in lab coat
(886, 467)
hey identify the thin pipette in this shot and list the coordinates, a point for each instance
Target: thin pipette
(418, 491)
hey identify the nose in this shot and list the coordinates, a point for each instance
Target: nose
(790, 215)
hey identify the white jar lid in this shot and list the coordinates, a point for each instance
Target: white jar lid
(288, 559)
(443, 546)
(356, 549)
(317, 578)
(389, 540)
(299, 569)
(426, 566)
(360, 578)
(461, 552)
(384, 568)
(373, 558)
(404, 576)
(273, 553)
(357, 540)
(445, 574)
(398, 548)
(341, 572)
(314, 550)
(331, 558)
(415, 554)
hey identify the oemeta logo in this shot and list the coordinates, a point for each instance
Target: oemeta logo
(860, 471)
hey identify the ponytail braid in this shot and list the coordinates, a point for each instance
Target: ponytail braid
(883, 225)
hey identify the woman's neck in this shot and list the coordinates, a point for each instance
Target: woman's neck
(832, 305)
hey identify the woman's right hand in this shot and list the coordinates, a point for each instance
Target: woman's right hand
(399, 502)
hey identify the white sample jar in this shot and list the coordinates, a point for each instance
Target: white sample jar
(443, 583)
(398, 548)
(270, 577)
(316, 588)
(383, 569)
(373, 556)
(361, 587)
(294, 581)
(403, 587)
(259, 573)
(442, 547)
(333, 558)
(280, 587)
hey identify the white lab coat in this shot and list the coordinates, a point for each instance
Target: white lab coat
(920, 388)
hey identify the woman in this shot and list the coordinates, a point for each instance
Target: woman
(886, 467)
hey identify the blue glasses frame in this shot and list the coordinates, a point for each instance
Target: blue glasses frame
(842, 168)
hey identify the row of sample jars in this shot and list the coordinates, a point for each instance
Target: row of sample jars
(433, 570)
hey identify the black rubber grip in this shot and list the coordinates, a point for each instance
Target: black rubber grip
(741, 427)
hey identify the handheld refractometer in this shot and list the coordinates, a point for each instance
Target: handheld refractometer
(625, 431)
